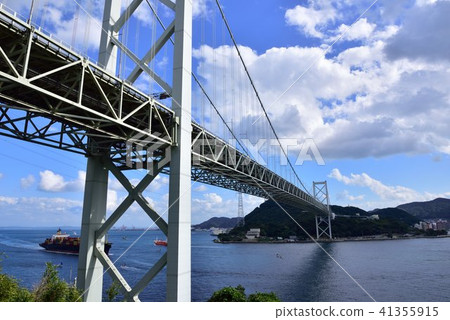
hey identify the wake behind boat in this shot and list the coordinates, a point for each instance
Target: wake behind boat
(64, 243)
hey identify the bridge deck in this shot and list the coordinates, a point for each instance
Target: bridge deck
(51, 95)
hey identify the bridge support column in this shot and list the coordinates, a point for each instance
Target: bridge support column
(323, 227)
(179, 220)
(107, 56)
(323, 224)
(90, 269)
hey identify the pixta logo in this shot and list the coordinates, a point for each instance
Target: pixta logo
(143, 149)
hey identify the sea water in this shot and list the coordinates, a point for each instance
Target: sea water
(397, 270)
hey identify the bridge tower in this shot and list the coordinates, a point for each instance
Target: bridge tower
(92, 258)
(323, 224)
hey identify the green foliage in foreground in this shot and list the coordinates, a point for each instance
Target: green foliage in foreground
(50, 289)
(113, 291)
(263, 297)
(230, 294)
(10, 291)
(53, 289)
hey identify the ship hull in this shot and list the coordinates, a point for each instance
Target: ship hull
(60, 248)
(160, 243)
(67, 248)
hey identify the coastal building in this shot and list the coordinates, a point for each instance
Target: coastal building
(441, 224)
(253, 233)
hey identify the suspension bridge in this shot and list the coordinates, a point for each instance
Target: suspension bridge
(52, 95)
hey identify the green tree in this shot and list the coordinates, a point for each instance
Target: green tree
(229, 294)
(53, 289)
(10, 290)
(113, 290)
(263, 297)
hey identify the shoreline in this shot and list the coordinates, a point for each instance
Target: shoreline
(346, 239)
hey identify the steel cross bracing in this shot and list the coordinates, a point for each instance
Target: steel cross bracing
(41, 77)
(53, 96)
(323, 223)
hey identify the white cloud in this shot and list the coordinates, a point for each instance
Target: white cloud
(27, 182)
(345, 195)
(200, 8)
(52, 182)
(201, 188)
(392, 195)
(360, 30)
(213, 198)
(211, 204)
(112, 200)
(39, 211)
(424, 33)
(70, 31)
(313, 18)
(354, 104)
(8, 200)
(1, 175)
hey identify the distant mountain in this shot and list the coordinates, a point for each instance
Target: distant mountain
(437, 208)
(348, 211)
(215, 222)
(274, 222)
(397, 215)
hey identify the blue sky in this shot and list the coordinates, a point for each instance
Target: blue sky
(371, 91)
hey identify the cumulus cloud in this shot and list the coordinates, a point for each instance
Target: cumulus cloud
(39, 211)
(428, 40)
(393, 195)
(112, 200)
(27, 181)
(312, 18)
(213, 205)
(345, 195)
(52, 182)
(201, 188)
(360, 30)
(8, 200)
(200, 8)
(355, 104)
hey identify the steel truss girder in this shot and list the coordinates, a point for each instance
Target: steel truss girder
(94, 106)
(30, 126)
(225, 166)
(134, 195)
(40, 75)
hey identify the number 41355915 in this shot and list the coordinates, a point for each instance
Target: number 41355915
(409, 311)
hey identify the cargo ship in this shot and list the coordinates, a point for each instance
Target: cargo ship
(64, 243)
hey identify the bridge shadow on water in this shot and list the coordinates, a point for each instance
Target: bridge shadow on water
(310, 282)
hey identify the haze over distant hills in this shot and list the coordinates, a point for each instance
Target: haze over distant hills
(437, 208)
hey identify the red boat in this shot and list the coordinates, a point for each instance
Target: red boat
(159, 242)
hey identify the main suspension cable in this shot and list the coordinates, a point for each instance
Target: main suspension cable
(257, 94)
